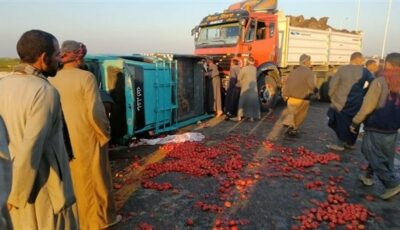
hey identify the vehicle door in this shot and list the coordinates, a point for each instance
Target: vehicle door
(260, 40)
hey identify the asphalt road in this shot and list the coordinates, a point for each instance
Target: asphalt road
(263, 192)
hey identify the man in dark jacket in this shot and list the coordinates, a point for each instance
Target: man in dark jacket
(5, 178)
(233, 94)
(372, 66)
(380, 112)
(346, 90)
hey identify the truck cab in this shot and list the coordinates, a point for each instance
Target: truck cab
(241, 34)
(237, 34)
(275, 40)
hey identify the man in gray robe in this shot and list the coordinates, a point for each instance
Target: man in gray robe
(249, 104)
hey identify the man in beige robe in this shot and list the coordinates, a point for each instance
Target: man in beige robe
(298, 88)
(89, 129)
(5, 178)
(216, 85)
(41, 195)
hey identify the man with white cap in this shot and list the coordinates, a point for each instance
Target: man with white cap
(89, 133)
(249, 104)
(298, 87)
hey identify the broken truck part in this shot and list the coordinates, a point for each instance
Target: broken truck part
(151, 93)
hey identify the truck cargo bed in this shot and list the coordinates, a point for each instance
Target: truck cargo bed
(326, 47)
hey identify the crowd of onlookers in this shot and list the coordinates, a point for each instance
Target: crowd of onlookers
(241, 99)
(54, 130)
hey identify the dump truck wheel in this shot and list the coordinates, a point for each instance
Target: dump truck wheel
(268, 90)
(323, 91)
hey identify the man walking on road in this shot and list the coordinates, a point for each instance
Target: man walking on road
(298, 88)
(346, 90)
(41, 194)
(380, 113)
(89, 132)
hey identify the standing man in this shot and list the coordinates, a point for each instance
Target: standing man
(346, 90)
(41, 194)
(213, 74)
(5, 178)
(89, 132)
(380, 113)
(233, 94)
(298, 88)
(372, 66)
(249, 104)
(208, 90)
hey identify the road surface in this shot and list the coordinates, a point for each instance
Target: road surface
(249, 175)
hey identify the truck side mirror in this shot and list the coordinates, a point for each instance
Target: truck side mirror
(243, 23)
(195, 32)
(271, 29)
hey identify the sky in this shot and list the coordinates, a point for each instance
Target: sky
(153, 26)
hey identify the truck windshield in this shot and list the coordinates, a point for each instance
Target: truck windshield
(218, 35)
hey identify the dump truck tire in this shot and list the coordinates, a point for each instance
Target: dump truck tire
(323, 91)
(268, 91)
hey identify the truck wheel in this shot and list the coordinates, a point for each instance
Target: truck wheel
(268, 91)
(323, 91)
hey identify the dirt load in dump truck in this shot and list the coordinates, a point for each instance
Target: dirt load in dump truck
(257, 28)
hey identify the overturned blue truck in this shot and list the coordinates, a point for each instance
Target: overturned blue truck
(158, 93)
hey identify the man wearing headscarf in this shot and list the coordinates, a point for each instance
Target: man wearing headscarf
(41, 195)
(298, 88)
(380, 113)
(89, 132)
(346, 90)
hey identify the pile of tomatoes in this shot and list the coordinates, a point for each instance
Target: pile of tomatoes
(334, 211)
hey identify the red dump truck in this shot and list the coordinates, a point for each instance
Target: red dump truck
(256, 28)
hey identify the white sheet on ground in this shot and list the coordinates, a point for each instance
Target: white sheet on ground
(179, 138)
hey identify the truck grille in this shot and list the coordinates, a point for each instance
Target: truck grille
(223, 61)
